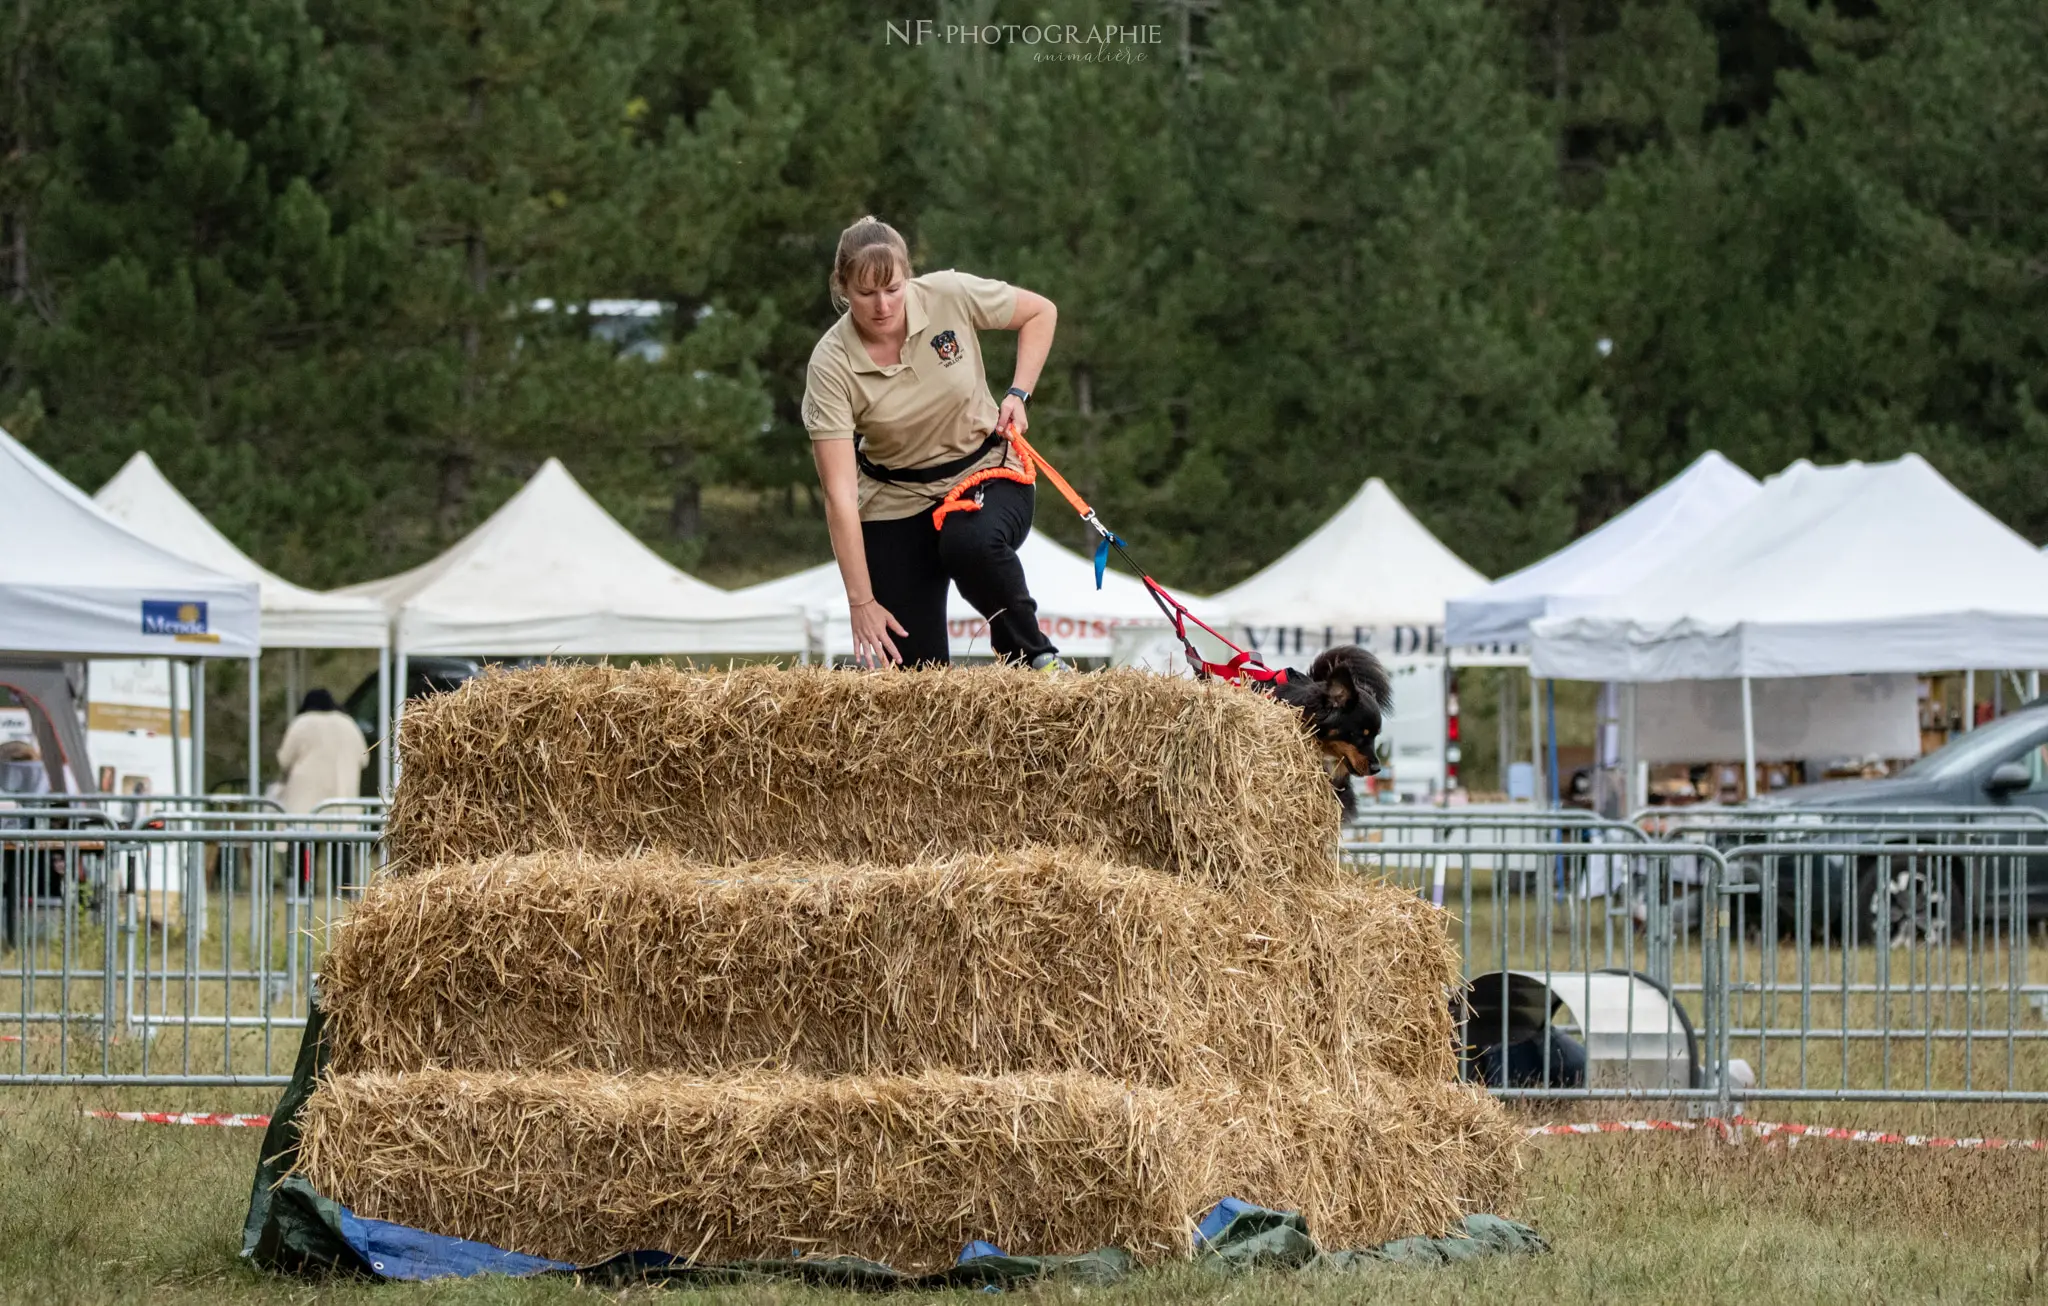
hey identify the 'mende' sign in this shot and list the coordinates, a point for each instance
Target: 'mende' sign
(179, 618)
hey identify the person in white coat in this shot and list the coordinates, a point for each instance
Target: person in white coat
(322, 756)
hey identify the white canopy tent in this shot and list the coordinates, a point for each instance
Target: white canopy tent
(1861, 568)
(141, 498)
(551, 572)
(1669, 521)
(1665, 525)
(75, 583)
(1371, 575)
(1077, 617)
(293, 617)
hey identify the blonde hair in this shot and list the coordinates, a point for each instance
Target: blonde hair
(869, 251)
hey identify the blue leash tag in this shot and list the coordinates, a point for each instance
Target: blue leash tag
(1102, 554)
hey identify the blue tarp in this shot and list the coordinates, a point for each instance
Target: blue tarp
(397, 1251)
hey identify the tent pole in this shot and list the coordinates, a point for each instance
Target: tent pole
(397, 713)
(1969, 701)
(1443, 743)
(199, 725)
(1550, 712)
(1748, 740)
(177, 755)
(255, 727)
(1506, 713)
(1634, 799)
(1535, 741)
(384, 720)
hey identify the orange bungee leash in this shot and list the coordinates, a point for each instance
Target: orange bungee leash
(1244, 664)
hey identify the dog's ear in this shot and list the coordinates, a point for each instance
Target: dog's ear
(1358, 672)
(1338, 689)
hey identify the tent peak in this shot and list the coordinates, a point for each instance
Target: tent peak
(550, 571)
(1371, 564)
(146, 502)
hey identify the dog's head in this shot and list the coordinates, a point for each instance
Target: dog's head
(1344, 699)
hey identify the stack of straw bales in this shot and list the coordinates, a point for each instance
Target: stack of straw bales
(879, 963)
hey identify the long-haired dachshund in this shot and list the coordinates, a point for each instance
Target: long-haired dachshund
(1344, 698)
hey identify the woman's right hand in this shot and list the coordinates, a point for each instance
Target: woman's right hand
(872, 623)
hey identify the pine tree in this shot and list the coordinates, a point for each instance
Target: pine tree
(512, 140)
(848, 96)
(1850, 272)
(185, 268)
(1375, 291)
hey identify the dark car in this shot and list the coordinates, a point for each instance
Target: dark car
(2001, 764)
(423, 676)
(1869, 895)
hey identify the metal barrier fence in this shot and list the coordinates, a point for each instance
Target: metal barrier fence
(167, 956)
(1746, 955)
(1882, 953)
(1868, 965)
(1571, 961)
(137, 810)
(1805, 953)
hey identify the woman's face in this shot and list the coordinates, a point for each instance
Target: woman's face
(878, 311)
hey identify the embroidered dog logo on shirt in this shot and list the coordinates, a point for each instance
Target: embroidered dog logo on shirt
(948, 346)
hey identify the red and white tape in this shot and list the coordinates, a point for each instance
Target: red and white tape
(1794, 1132)
(1619, 1127)
(185, 1118)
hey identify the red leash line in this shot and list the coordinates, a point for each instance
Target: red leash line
(1243, 665)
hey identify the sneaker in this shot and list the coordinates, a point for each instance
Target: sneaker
(1050, 664)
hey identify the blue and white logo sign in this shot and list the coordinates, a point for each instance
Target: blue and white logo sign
(173, 617)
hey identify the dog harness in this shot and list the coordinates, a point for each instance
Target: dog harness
(1244, 666)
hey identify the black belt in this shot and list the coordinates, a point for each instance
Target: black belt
(923, 475)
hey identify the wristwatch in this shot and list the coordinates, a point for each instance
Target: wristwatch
(1025, 395)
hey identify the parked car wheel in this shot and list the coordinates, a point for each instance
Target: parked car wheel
(1904, 903)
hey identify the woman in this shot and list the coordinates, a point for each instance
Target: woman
(899, 414)
(322, 754)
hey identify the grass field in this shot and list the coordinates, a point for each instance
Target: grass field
(109, 1211)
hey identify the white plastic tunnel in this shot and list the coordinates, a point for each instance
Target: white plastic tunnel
(1576, 1029)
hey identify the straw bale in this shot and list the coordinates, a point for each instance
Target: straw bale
(1377, 1158)
(579, 1166)
(1207, 782)
(1041, 960)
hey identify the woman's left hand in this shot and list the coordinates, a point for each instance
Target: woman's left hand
(1012, 417)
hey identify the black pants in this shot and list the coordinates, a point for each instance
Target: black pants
(909, 565)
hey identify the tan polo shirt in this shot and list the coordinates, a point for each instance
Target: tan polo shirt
(932, 407)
